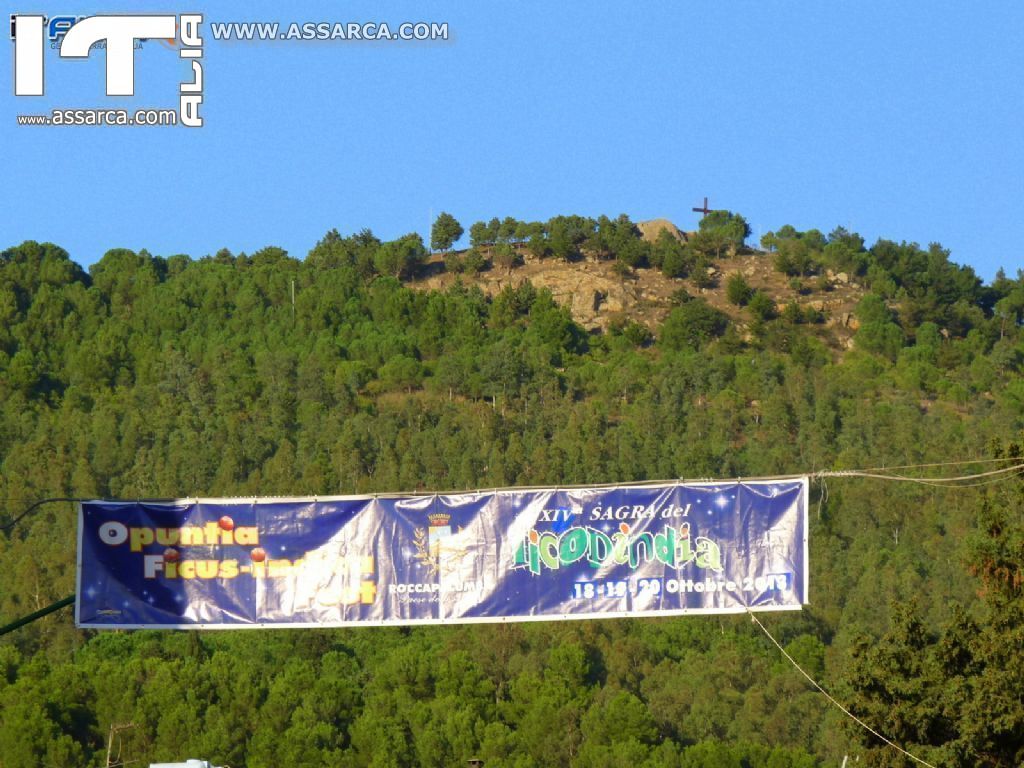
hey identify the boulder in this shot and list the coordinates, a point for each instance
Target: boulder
(650, 230)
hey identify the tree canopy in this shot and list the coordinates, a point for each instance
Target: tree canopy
(153, 376)
(445, 232)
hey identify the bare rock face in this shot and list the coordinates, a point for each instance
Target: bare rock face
(591, 297)
(586, 304)
(616, 303)
(844, 320)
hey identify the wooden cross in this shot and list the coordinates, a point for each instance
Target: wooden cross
(703, 211)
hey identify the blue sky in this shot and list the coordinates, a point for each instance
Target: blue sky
(899, 120)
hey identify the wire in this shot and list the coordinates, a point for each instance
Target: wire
(989, 481)
(875, 473)
(945, 482)
(829, 696)
(959, 463)
(31, 507)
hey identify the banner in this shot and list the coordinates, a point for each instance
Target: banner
(506, 555)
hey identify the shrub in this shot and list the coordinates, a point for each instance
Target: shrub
(692, 325)
(761, 306)
(738, 290)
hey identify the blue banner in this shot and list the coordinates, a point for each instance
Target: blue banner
(507, 555)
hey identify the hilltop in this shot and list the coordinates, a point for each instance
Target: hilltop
(612, 272)
(598, 293)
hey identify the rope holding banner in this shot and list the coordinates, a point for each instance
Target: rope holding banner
(940, 482)
(874, 473)
(829, 696)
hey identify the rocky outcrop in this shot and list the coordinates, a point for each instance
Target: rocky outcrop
(597, 293)
(650, 230)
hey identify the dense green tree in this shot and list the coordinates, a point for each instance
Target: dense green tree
(474, 261)
(505, 256)
(720, 230)
(566, 235)
(845, 251)
(480, 234)
(669, 254)
(956, 696)
(400, 258)
(692, 325)
(794, 257)
(507, 230)
(445, 231)
(878, 332)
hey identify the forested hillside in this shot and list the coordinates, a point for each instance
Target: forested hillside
(263, 374)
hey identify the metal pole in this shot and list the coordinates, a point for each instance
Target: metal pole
(37, 615)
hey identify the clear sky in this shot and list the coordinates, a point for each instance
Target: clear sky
(900, 120)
